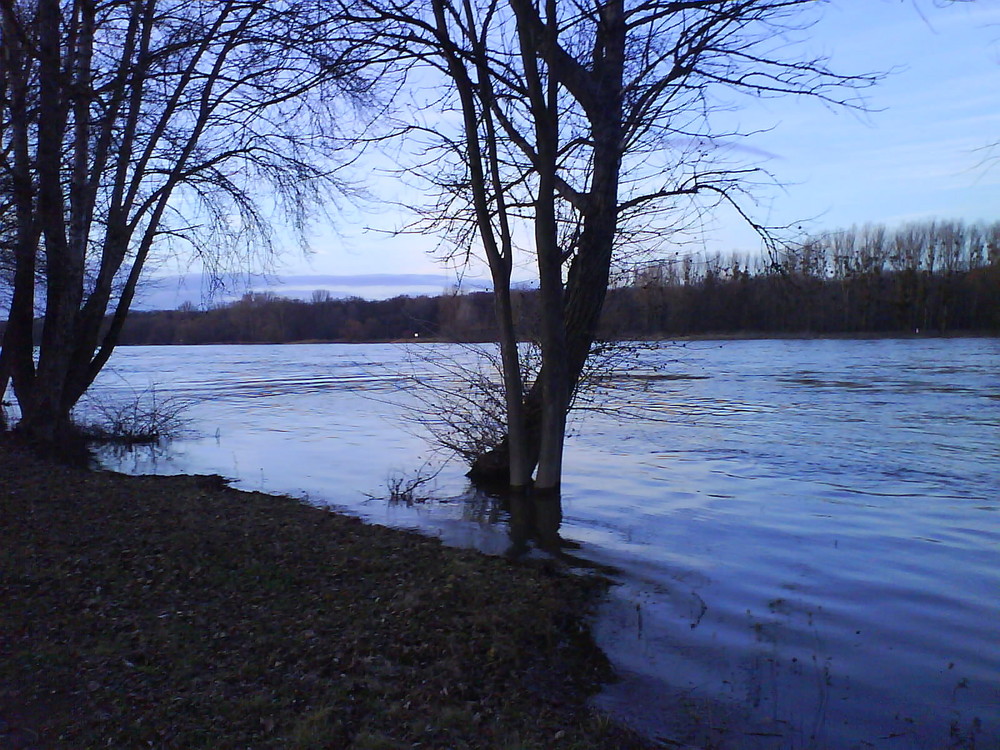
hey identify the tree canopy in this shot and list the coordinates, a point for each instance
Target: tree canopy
(582, 131)
(130, 128)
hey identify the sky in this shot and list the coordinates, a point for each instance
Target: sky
(921, 151)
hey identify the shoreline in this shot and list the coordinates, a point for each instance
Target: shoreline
(721, 336)
(180, 612)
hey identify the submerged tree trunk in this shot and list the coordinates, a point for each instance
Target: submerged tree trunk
(491, 216)
(519, 464)
(570, 317)
(544, 108)
(568, 110)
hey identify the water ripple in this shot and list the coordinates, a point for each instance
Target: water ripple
(806, 530)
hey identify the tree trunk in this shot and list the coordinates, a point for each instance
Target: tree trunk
(543, 95)
(46, 416)
(578, 308)
(17, 340)
(519, 465)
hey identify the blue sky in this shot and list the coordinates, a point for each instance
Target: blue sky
(921, 152)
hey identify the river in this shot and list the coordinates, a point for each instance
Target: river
(805, 532)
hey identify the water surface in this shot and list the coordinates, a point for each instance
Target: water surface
(807, 532)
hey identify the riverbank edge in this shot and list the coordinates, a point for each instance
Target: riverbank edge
(179, 612)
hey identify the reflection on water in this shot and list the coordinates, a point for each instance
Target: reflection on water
(805, 532)
(534, 521)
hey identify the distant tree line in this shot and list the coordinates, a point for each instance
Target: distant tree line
(270, 318)
(931, 277)
(938, 277)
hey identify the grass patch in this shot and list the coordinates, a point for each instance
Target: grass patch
(174, 612)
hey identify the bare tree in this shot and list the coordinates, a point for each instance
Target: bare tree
(132, 126)
(589, 124)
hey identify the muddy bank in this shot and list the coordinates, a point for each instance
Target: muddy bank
(176, 612)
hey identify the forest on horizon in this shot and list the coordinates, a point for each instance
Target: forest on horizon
(932, 278)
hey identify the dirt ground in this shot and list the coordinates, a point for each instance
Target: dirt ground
(175, 612)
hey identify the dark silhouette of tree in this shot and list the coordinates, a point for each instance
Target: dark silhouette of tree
(132, 126)
(585, 131)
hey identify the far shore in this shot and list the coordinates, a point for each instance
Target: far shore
(742, 336)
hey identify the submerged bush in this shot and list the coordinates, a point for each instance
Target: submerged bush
(411, 488)
(144, 419)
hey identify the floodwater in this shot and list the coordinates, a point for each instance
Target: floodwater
(806, 533)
